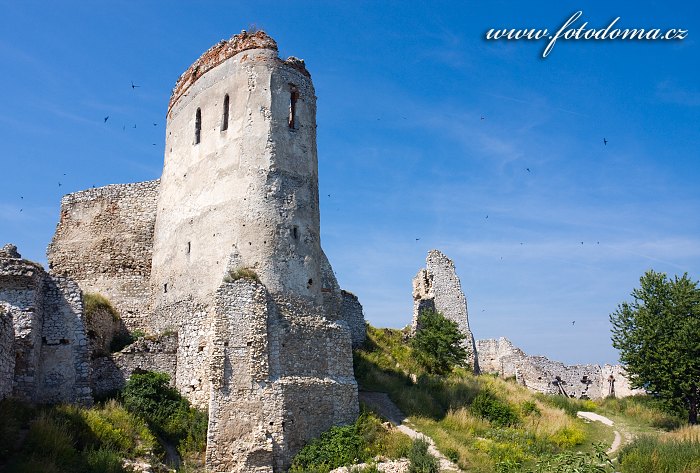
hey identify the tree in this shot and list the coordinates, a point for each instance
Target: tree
(438, 343)
(658, 335)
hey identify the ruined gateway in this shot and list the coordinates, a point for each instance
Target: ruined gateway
(269, 358)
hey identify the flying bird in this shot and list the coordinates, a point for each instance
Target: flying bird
(417, 239)
(134, 125)
(59, 184)
(155, 124)
(133, 86)
(573, 323)
(483, 118)
(106, 118)
(605, 142)
(527, 169)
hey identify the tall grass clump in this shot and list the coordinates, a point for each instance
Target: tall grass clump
(421, 461)
(93, 302)
(652, 411)
(241, 273)
(652, 454)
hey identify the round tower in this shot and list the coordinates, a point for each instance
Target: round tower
(240, 180)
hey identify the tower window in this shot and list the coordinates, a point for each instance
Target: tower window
(293, 97)
(295, 232)
(189, 247)
(224, 123)
(165, 287)
(198, 126)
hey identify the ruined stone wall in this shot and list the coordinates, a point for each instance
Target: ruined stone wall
(50, 344)
(111, 372)
(104, 240)
(438, 287)
(498, 356)
(541, 374)
(7, 354)
(281, 374)
(351, 313)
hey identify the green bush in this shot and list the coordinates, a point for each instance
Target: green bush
(437, 344)
(166, 411)
(421, 460)
(498, 412)
(346, 445)
(649, 454)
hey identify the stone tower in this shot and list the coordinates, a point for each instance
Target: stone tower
(269, 355)
(240, 180)
(271, 358)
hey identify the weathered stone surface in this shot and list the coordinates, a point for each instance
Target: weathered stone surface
(49, 346)
(104, 241)
(352, 314)
(552, 377)
(151, 353)
(437, 287)
(280, 375)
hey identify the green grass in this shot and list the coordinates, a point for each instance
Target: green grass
(70, 439)
(649, 454)
(486, 424)
(74, 439)
(350, 444)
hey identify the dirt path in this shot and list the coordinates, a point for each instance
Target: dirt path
(381, 403)
(617, 442)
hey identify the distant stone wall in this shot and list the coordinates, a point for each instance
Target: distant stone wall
(111, 372)
(50, 347)
(351, 313)
(541, 374)
(281, 374)
(104, 242)
(437, 287)
(498, 356)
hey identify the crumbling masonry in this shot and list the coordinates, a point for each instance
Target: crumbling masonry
(437, 288)
(269, 357)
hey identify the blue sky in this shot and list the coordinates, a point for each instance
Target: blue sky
(403, 151)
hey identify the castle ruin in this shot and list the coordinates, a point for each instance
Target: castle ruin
(437, 287)
(220, 259)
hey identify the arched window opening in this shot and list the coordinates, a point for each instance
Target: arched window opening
(224, 122)
(293, 97)
(198, 126)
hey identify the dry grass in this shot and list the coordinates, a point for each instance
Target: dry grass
(689, 433)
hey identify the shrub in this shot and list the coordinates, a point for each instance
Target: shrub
(421, 460)
(498, 412)
(336, 447)
(166, 411)
(241, 273)
(530, 408)
(92, 302)
(437, 344)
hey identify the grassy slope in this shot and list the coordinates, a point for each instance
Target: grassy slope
(442, 408)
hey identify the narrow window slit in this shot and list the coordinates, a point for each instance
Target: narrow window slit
(198, 126)
(293, 97)
(165, 287)
(224, 123)
(189, 247)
